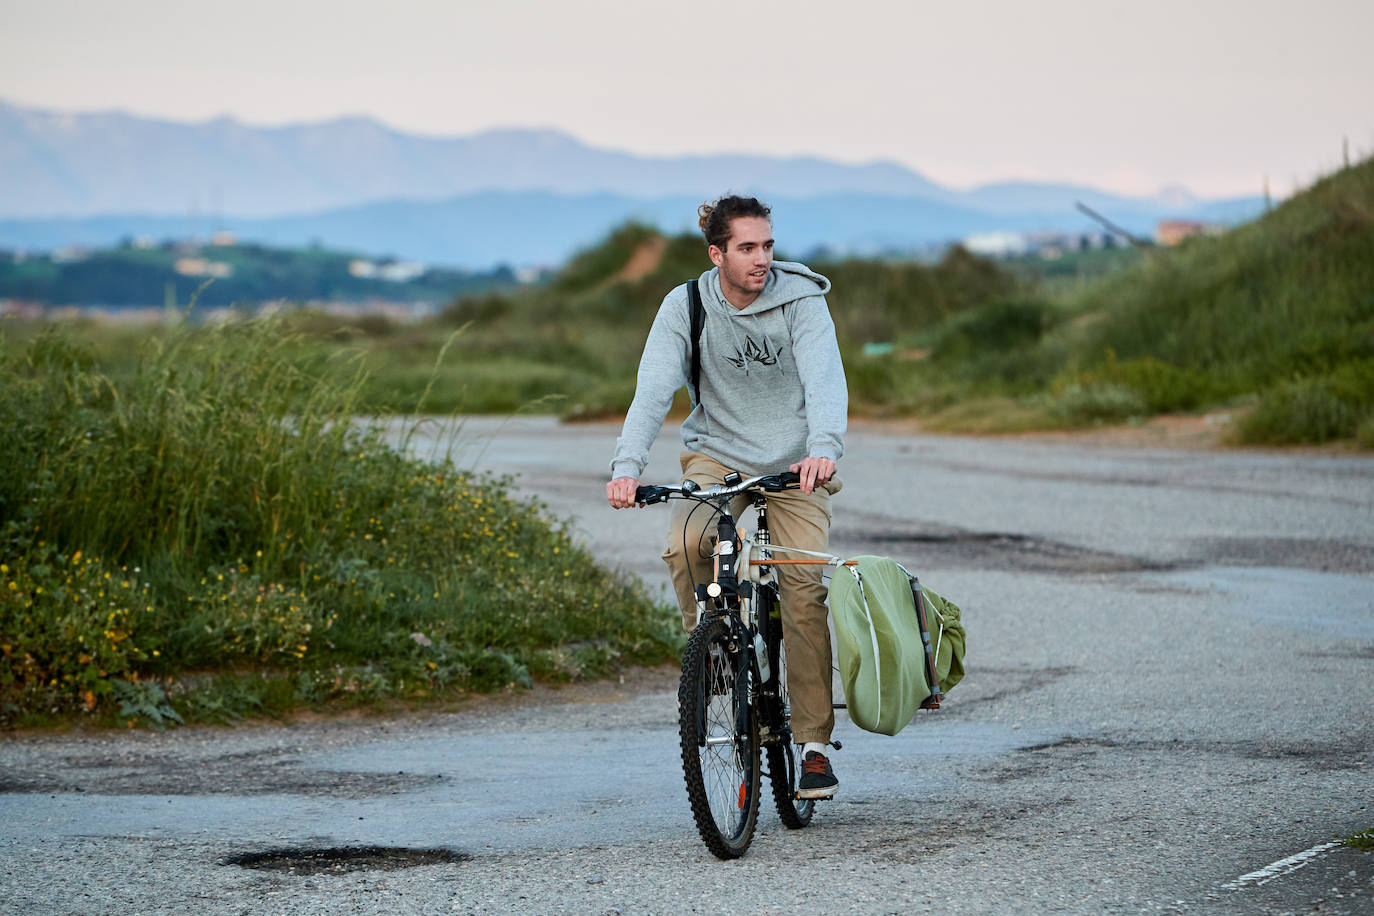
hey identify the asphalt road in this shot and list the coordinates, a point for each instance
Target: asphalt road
(1170, 688)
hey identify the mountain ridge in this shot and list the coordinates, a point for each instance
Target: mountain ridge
(92, 178)
(510, 159)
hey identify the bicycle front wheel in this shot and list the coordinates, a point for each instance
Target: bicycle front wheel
(720, 741)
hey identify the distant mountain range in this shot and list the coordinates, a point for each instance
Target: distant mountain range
(513, 196)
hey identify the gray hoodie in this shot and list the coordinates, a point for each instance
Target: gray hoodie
(772, 385)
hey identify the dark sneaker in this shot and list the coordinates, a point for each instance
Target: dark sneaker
(818, 779)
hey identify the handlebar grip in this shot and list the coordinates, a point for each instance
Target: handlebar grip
(784, 480)
(648, 495)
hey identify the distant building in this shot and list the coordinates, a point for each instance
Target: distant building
(69, 253)
(392, 271)
(997, 244)
(401, 271)
(201, 267)
(1173, 231)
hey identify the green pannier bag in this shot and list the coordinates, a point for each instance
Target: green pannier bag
(883, 660)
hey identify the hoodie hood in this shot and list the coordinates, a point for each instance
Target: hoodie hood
(787, 282)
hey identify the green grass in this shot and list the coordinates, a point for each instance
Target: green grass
(211, 534)
(1362, 840)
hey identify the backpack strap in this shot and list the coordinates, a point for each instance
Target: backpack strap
(698, 322)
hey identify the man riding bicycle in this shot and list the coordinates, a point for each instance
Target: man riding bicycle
(771, 394)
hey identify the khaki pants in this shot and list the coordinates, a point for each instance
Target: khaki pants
(796, 520)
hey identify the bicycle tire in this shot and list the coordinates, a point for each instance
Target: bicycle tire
(795, 813)
(720, 757)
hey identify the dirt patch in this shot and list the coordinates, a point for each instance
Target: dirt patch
(249, 773)
(643, 262)
(1184, 432)
(1207, 431)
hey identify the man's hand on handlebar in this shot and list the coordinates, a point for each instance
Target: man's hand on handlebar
(814, 472)
(620, 493)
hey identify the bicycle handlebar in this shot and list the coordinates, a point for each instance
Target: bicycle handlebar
(769, 483)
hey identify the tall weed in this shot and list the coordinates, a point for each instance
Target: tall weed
(221, 509)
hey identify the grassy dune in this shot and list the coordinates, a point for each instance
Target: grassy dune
(1278, 314)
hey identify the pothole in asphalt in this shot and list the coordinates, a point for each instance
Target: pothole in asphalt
(946, 546)
(341, 860)
(1319, 554)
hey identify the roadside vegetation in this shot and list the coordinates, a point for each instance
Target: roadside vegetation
(211, 534)
(196, 525)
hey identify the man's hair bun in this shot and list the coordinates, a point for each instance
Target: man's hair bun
(714, 218)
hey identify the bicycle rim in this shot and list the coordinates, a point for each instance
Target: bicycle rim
(720, 744)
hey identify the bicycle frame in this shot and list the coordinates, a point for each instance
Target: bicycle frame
(725, 741)
(745, 592)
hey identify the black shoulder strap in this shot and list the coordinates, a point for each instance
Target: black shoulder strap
(698, 322)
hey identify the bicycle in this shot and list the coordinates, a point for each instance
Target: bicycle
(733, 704)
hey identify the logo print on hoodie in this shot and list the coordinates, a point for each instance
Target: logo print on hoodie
(753, 354)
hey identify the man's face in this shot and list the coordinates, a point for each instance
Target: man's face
(746, 260)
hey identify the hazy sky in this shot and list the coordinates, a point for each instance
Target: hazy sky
(1130, 96)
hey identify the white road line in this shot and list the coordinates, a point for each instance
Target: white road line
(1281, 867)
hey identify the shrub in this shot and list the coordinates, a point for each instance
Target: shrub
(1314, 410)
(221, 509)
(1098, 403)
(990, 330)
(1160, 386)
(1364, 433)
